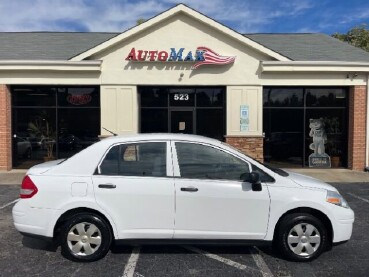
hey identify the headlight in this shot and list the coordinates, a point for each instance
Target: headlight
(336, 199)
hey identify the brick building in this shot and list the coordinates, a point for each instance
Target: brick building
(184, 72)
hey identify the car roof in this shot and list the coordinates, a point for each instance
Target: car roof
(159, 136)
(84, 162)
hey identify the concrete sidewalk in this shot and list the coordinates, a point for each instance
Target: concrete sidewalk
(334, 175)
(14, 177)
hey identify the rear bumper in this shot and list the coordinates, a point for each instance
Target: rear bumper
(33, 221)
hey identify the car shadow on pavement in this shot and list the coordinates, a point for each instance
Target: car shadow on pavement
(184, 249)
(39, 244)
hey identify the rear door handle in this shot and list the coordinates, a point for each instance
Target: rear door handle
(107, 186)
(190, 189)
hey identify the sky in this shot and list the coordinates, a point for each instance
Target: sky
(244, 16)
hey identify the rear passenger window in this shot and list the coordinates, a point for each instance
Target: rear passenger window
(136, 159)
(109, 165)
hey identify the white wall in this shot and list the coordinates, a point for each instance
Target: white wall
(119, 109)
(178, 32)
(252, 96)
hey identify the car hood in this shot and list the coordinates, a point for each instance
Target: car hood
(42, 168)
(309, 182)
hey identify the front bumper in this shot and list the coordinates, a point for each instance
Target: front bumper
(342, 227)
(35, 221)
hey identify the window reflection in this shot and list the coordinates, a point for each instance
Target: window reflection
(283, 97)
(286, 117)
(199, 110)
(209, 97)
(326, 97)
(56, 122)
(153, 97)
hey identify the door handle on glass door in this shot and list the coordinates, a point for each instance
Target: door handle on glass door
(190, 189)
(107, 186)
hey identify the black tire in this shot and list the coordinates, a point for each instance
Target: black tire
(307, 248)
(90, 249)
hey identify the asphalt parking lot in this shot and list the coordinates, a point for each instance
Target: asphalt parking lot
(30, 257)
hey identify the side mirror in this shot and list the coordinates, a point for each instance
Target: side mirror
(252, 178)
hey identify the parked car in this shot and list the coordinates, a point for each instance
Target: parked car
(69, 142)
(24, 148)
(180, 188)
(35, 142)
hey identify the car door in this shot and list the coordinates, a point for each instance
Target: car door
(211, 200)
(134, 185)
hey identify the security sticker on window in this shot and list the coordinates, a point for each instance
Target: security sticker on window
(244, 118)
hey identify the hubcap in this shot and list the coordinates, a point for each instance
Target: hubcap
(304, 239)
(84, 239)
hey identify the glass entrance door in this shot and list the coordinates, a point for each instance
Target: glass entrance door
(182, 121)
(190, 110)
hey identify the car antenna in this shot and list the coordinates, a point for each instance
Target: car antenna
(114, 134)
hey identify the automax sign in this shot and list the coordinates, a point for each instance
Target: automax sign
(201, 56)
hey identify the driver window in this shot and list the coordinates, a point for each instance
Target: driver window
(198, 161)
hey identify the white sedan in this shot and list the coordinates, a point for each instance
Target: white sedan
(182, 188)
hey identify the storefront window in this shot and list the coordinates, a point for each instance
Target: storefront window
(78, 97)
(34, 136)
(284, 133)
(335, 97)
(153, 97)
(154, 120)
(287, 116)
(283, 97)
(208, 122)
(53, 122)
(210, 97)
(34, 96)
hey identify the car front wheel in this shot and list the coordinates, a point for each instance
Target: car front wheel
(85, 238)
(301, 237)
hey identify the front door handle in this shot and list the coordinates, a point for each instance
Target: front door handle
(190, 189)
(107, 186)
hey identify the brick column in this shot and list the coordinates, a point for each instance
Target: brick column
(5, 129)
(251, 146)
(357, 128)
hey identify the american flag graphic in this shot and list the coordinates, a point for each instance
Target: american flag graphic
(212, 58)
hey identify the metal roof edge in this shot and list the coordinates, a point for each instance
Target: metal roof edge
(314, 66)
(50, 62)
(314, 63)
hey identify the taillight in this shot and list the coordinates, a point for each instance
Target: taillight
(28, 188)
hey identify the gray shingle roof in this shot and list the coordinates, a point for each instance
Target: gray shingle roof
(311, 47)
(47, 45)
(63, 46)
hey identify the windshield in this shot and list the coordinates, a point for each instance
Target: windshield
(279, 171)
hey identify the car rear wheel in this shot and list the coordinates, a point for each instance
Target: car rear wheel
(85, 237)
(301, 237)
